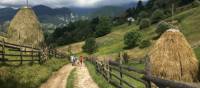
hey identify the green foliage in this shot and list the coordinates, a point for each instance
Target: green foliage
(132, 39)
(157, 16)
(144, 23)
(90, 46)
(145, 43)
(28, 76)
(98, 78)
(162, 27)
(197, 51)
(104, 26)
(71, 79)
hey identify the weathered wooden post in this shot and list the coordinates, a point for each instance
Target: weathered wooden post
(39, 56)
(21, 57)
(110, 71)
(32, 54)
(148, 72)
(120, 70)
(3, 51)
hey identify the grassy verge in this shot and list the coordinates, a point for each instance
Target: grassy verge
(28, 76)
(197, 51)
(98, 78)
(71, 79)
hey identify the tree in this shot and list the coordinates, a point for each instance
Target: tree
(143, 14)
(144, 23)
(140, 6)
(162, 27)
(90, 46)
(132, 39)
(145, 43)
(157, 16)
(104, 26)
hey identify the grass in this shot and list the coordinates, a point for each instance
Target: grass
(98, 78)
(71, 79)
(28, 76)
(197, 51)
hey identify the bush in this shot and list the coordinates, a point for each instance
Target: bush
(145, 43)
(90, 46)
(132, 39)
(162, 27)
(145, 23)
(157, 16)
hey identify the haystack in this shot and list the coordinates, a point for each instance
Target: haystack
(173, 58)
(25, 28)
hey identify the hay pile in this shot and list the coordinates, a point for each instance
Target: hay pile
(25, 28)
(173, 58)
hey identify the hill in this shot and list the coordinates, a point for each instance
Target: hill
(112, 43)
(108, 11)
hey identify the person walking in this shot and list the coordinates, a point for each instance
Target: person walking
(72, 59)
(81, 60)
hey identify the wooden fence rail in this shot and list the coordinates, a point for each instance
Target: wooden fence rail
(22, 52)
(109, 68)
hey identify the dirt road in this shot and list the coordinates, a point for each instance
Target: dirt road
(59, 78)
(83, 79)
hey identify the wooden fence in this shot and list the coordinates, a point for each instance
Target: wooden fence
(109, 68)
(21, 53)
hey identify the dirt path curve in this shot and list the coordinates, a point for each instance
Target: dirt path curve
(83, 79)
(59, 78)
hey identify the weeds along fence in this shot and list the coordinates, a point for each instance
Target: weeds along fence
(120, 75)
(19, 53)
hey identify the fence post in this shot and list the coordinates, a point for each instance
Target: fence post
(3, 51)
(21, 57)
(110, 71)
(120, 70)
(55, 52)
(39, 56)
(148, 72)
(32, 54)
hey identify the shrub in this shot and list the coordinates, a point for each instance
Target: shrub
(144, 23)
(145, 43)
(157, 16)
(90, 46)
(132, 39)
(162, 27)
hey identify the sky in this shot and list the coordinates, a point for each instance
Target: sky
(64, 3)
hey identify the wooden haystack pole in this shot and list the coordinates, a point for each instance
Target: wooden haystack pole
(25, 28)
(173, 58)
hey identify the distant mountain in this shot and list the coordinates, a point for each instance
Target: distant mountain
(44, 13)
(108, 11)
(103, 11)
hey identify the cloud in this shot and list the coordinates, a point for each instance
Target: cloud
(64, 3)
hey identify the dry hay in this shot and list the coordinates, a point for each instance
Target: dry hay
(173, 58)
(25, 28)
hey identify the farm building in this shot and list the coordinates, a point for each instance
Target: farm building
(173, 58)
(25, 28)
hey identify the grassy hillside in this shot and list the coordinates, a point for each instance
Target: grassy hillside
(112, 43)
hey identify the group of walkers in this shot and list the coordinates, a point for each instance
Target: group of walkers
(76, 60)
